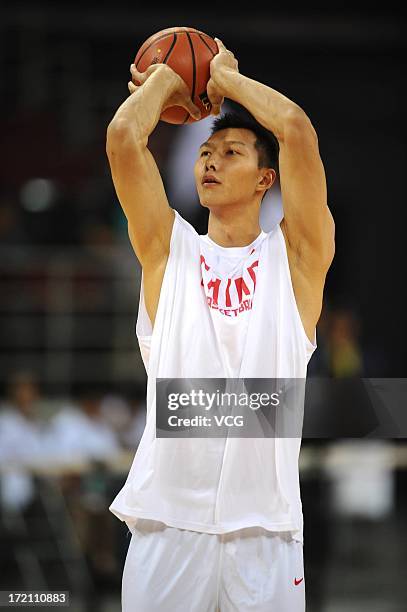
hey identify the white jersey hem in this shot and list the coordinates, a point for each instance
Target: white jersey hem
(210, 528)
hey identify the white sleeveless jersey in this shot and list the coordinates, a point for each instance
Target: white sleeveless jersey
(229, 282)
(222, 312)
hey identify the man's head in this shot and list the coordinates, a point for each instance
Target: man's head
(237, 164)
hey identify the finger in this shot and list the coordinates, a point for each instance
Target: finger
(220, 44)
(136, 75)
(216, 107)
(133, 70)
(193, 110)
(215, 98)
(222, 48)
(131, 86)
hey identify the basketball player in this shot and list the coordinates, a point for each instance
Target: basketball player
(217, 523)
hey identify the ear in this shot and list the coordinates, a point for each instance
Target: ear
(266, 179)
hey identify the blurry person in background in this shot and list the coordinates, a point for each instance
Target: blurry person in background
(132, 436)
(22, 440)
(346, 358)
(115, 410)
(22, 395)
(362, 503)
(126, 415)
(80, 436)
(79, 432)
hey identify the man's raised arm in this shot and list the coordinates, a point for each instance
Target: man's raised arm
(136, 177)
(308, 223)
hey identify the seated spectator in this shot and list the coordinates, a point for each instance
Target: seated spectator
(116, 411)
(79, 432)
(22, 440)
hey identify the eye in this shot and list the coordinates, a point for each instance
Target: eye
(204, 153)
(232, 151)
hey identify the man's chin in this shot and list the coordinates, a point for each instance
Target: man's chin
(211, 202)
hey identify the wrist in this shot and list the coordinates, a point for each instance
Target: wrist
(167, 78)
(225, 79)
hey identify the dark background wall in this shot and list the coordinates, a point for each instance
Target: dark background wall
(64, 71)
(69, 281)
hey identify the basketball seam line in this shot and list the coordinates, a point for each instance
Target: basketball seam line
(193, 72)
(171, 48)
(155, 40)
(205, 43)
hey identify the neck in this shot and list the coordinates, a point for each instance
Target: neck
(234, 225)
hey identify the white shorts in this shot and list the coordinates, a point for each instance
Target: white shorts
(177, 570)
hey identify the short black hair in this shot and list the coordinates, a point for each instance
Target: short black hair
(266, 143)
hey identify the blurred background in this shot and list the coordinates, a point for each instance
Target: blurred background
(72, 383)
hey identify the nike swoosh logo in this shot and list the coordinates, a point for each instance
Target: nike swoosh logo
(297, 582)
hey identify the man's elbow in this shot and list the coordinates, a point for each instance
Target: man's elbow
(328, 250)
(298, 127)
(117, 136)
(121, 136)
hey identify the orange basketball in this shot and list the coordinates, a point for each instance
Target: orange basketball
(188, 52)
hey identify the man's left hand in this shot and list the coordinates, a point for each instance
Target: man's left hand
(224, 59)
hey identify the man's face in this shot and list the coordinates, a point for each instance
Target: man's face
(226, 170)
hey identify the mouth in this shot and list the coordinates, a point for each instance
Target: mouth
(210, 181)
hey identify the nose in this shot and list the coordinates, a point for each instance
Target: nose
(211, 163)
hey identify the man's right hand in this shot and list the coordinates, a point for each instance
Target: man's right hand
(179, 93)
